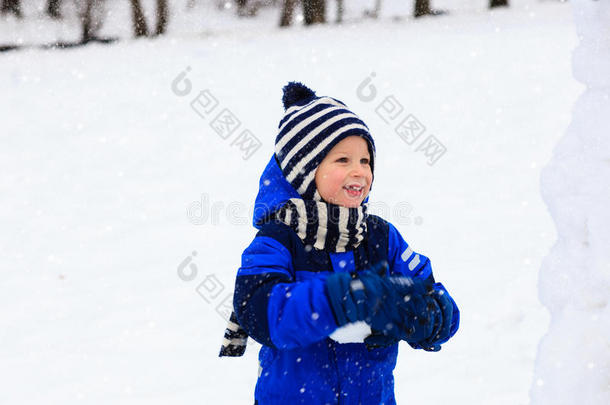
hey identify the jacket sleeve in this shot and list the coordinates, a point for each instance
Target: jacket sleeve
(403, 260)
(271, 306)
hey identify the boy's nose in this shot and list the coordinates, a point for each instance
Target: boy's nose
(357, 171)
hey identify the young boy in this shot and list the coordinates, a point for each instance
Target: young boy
(320, 264)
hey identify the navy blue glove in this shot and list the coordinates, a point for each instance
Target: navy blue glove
(365, 296)
(396, 308)
(382, 302)
(348, 304)
(449, 320)
(420, 313)
(399, 307)
(443, 332)
(378, 340)
(422, 317)
(408, 311)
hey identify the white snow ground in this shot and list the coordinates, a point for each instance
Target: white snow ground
(99, 161)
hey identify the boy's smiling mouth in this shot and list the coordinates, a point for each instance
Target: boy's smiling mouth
(354, 190)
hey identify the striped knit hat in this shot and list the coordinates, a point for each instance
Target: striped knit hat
(310, 128)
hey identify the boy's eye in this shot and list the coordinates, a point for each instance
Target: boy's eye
(342, 160)
(364, 161)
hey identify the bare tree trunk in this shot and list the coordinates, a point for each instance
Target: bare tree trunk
(87, 24)
(287, 12)
(91, 19)
(314, 11)
(140, 28)
(374, 13)
(162, 17)
(422, 7)
(498, 3)
(54, 9)
(11, 6)
(241, 7)
(340, 9)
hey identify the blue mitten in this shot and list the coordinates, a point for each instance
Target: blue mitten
(382, 302)
(420, 313)
(396, 308)
(449, 320)
(446, 305)
(365, 296)
(378, 340)
(419, 317)
(401, 308)
(348, 304)
(351, 301)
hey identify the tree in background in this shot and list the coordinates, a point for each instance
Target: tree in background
(374, 12)
(249, 8)
(422, 7)
(287, 12)
(340, 9)
(243, 10)
(314, 11)
(11, 6)
(162, 17)
(91, 20)
(498, 3)
(140, 28)
(54, 9)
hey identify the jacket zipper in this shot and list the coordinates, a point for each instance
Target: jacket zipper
(333, 356)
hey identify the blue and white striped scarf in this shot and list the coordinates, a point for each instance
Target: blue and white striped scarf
(321, 225)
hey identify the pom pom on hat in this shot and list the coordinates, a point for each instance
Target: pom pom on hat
(296, 93)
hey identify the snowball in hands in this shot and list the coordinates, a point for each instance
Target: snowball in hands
(354, 332)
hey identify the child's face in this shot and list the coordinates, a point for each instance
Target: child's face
(347, 164)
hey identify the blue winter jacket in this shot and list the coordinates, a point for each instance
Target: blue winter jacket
(280, 300)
